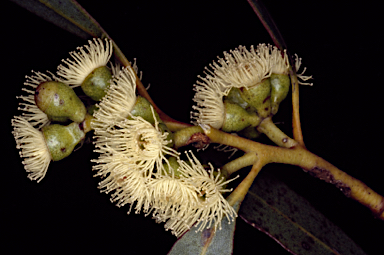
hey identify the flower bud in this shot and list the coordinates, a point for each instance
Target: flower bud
(142, 108)
(59, 102)
(234, 96)
(280, 87)
(236, 118)
(259, 96)
(96, 84)
(61, 140)
(87, 68)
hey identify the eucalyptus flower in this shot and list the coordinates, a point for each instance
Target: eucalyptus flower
(209, 108)
(118, 102)
(88, 68)
(243, 88)
(212, 108)
(279, 61)
(240, 68)
(124, 181)
(33, 148)
(31, 112)
(139, 141)
(174, 202)
(210, 186)
(132, 152)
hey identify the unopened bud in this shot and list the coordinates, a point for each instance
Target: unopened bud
(61, 140)
(259, 96)
(142, 108)
(280, 87)
(96, 84)
(236, 118)
(59, 102)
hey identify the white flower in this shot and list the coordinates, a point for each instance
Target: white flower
(174, 200)
(211, 206)
(209, 106)
(240, 68)
(138, 141)
(125, 181)
(84, 62)
(118, 102)
(33, 148)
(278, 60)
(31, 112)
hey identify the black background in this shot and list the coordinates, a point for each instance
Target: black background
(173, 41)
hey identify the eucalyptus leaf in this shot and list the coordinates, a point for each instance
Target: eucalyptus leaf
(272, 207)
(67, 14)
(268, 23)
(208, 241)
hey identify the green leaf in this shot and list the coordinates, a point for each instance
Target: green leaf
(268, 23)
(69, 15)
(206, 242)
(66, 14)
(272, 207)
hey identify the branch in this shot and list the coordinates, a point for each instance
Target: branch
(310, 163)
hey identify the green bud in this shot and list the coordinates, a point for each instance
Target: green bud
(61, 140)
(96, 84)
(236, 118)
(259, 96)
(142, 108)
(280, 87)
(59, 102)
(234, 96)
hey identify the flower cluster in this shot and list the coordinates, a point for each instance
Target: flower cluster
(39, 107)
(83, 62)
(140, 168)
(254, 79)
(137, 162)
